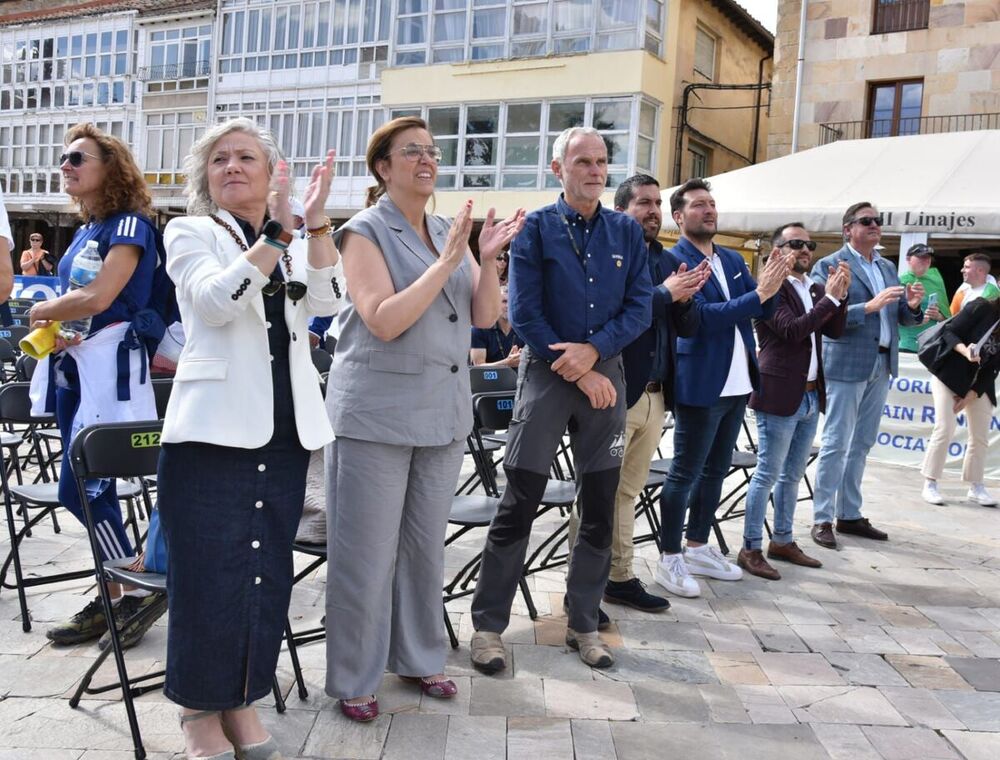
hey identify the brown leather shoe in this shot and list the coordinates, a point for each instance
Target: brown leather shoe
(791, 552)
(861, 527)
(822, 534)
(752, 560)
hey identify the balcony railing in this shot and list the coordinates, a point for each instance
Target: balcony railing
(926, 125)
(175, 71)
(900, 15)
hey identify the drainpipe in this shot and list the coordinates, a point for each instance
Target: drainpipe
(798, 76)
(757, 99)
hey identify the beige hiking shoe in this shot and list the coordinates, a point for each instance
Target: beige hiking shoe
(593, 651)
(488, 654)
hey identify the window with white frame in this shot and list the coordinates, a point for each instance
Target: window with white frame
(705, 53)
(180, 53)
(699, 157)
(169, 137)
(509, 145)
(304, 34)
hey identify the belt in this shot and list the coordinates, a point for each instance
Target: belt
(811, 386)
(883, 349)
(654, 387)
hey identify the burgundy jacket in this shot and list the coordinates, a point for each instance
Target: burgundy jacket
(785, 345)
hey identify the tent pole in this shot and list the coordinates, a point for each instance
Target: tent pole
(798, 76)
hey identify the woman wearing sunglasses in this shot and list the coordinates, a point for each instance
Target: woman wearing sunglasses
(401, 408)
(101, 176)
(244, 413)
(36, 261)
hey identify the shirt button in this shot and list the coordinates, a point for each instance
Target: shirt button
(256, 580)
(294, 336)
(453, 318)
(591, 306)
(454, 368)
(259, 504)
(271, 357)
(591, 279)
(255, 544)
(261, 467)
(268, 325)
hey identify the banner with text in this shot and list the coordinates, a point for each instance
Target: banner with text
(35, 288)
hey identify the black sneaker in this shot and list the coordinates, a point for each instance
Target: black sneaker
(142, 611)
(603, 621)
(86, 625)
(633, 594)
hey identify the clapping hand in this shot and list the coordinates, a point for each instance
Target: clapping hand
(886, 296)
(684, 283)
(314, 200)
(457, 243)
(839, 281)
(277, 200)
(773, 274)
(494, 236)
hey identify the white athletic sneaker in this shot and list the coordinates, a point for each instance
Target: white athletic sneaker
(931, 494)
(708, 561)
(979, 495)
(672, 573)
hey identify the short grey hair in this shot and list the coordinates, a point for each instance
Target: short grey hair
(562, 141)
(196, 162)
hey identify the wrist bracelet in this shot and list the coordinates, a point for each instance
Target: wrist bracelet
(275, 243)
(325, 229)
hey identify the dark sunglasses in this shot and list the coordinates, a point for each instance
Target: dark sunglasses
(295, 290)
(76, 158)
(798, 245)
(868, 221)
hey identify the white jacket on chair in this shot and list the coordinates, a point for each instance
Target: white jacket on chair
(222, 392)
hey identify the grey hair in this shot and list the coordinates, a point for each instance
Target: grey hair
(562, 141)
(196, 162)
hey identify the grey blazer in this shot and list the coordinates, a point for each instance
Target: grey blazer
(851, 357)
(414, 390)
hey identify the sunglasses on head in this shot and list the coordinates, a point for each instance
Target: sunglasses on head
(921, 250)
(867, 221)
(295, 290)
(76, 158)
(798, 245)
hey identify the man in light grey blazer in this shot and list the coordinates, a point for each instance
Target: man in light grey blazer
(858, 366)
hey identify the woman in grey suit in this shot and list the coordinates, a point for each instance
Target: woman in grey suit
(400, 406)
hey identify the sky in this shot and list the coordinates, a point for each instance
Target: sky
(765, 11)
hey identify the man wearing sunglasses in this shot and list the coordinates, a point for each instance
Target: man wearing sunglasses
(858, 367)
(789, 398)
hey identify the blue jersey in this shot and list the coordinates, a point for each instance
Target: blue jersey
(126, 228)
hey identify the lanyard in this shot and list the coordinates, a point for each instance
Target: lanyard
(572, 240)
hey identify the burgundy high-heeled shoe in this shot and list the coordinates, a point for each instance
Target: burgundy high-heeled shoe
(444, 689)
(362, 713)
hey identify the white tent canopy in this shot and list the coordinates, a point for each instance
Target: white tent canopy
(945, 185)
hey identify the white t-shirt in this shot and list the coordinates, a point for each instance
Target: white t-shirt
(5, 224)
(738, 381)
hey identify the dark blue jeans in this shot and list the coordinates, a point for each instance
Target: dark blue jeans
(704, 440)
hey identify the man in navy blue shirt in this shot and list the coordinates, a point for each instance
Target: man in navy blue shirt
(499, 345)
(579, 293)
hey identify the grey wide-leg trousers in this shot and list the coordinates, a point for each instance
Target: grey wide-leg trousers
(545, 405)
(387, 515)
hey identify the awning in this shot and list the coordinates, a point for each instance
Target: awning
(946, 185)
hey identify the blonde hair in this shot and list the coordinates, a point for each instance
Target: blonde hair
(124, 186)
(379, 146)
(196, 163)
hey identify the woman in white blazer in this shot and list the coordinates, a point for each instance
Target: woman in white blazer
(244, 412)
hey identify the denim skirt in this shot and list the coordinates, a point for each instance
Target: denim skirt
(229, 516)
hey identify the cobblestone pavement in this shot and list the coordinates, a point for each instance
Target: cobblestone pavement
(888, 651)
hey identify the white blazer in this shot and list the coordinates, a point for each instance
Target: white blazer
(222, 391)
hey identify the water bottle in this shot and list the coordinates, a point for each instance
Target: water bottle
(86, 264)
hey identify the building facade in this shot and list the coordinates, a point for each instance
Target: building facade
(496, 79)
(877, 68)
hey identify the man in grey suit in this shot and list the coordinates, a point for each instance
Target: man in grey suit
(858, 366)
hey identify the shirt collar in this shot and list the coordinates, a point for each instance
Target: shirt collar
(690, 248)
(875, 253)
(799, 283)
(571, 213)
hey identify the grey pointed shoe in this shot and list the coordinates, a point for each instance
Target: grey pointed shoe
(228, 754)
(266, 750)
(593, 651)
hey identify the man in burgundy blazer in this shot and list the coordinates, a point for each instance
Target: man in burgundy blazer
(789, 398)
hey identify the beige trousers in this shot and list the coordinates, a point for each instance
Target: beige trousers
(643, 431)
(978, 415)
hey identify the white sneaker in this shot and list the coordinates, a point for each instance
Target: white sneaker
(979, 495)
(931, 494)
(708, 561)
(672, 573)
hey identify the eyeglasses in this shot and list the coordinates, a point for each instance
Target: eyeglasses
(868, 221)
(413, 151)
(76, 158)
(296, 290)
(798, 245)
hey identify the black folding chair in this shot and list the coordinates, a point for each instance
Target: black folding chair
(24, 368)
(13, 335)
(15, 408)
(8, 360)
(121, 450)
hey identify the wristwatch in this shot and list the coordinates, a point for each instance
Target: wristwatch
(275, 231)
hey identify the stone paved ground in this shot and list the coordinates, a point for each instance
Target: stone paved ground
(889, 651)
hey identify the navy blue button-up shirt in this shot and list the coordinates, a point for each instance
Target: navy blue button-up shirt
(597, 291)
